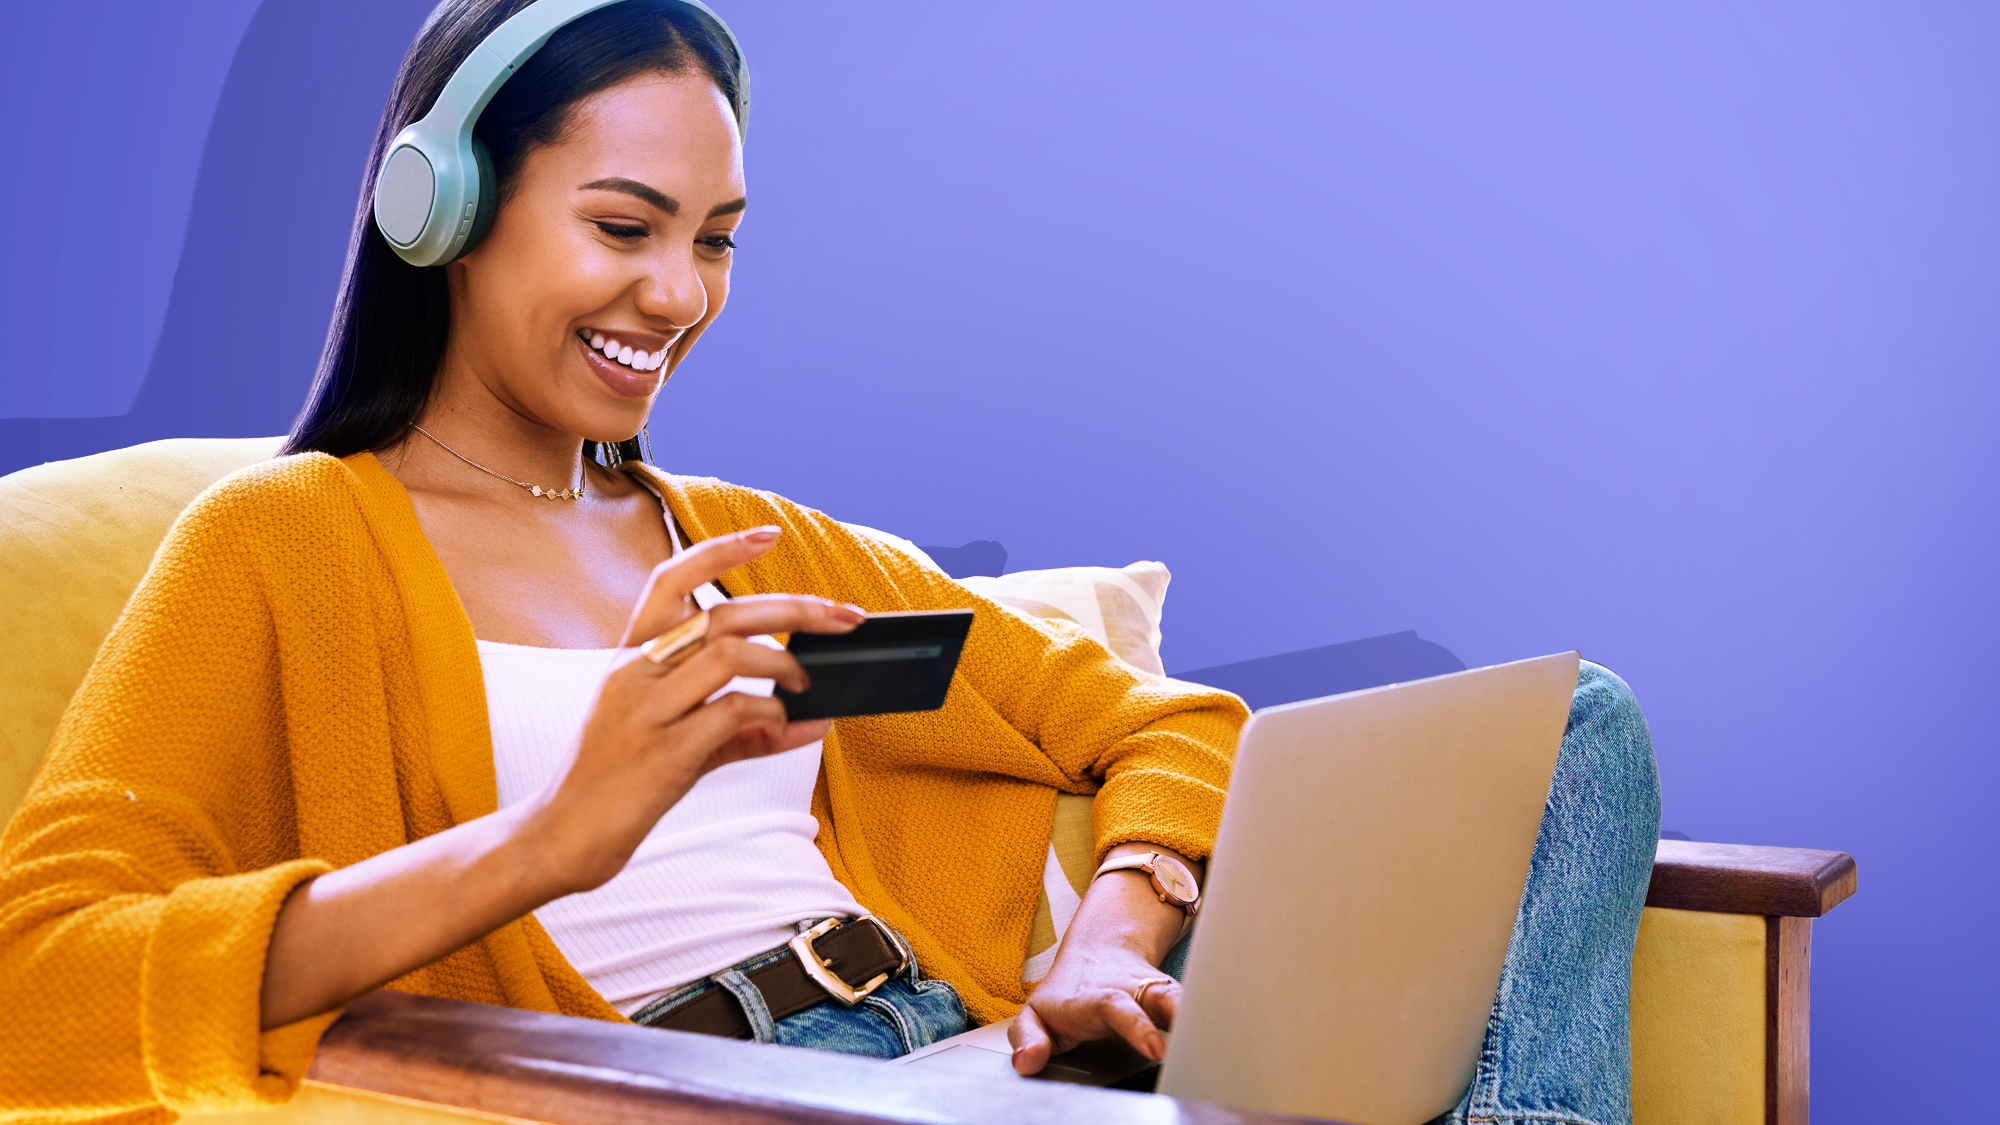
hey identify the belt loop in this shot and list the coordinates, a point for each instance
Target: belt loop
(762, 1029)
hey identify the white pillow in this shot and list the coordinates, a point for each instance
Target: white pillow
(1119, 606)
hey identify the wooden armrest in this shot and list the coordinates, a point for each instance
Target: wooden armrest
(544, 1067)
(586, 1072)
(1740, 879)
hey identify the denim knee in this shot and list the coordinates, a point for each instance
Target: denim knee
(1602, 696)
(1607, 728)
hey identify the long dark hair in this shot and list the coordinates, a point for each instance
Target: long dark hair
(391, 318)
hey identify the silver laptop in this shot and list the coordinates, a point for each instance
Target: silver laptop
(1364, 885)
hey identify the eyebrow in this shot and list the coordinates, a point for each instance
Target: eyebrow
(658, 199)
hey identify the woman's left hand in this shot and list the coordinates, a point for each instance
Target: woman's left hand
(1105, 982)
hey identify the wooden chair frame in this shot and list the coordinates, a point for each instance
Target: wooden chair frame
(530, 1066)
(1789, 887)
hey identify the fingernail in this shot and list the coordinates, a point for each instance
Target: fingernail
(759, 534)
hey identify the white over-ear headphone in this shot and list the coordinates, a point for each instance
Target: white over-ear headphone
(435, 195)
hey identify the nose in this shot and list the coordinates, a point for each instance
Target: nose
(673, 289)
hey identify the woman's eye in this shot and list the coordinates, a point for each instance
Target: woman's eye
(720, 243)
(623, 233)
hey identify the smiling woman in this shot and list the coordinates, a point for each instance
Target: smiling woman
(617, 86)
(381, 715)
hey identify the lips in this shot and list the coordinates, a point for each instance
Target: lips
(620, 377)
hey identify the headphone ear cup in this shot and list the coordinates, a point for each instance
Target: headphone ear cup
(405, 197)
(486, 193)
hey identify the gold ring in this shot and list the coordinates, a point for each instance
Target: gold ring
(1139, 997)
(677, 643)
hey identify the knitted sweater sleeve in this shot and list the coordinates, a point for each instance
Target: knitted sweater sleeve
(140, 879)
(1156, 751)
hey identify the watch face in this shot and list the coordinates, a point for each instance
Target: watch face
(1175, 879)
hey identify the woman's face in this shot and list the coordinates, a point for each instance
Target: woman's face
(607, 260)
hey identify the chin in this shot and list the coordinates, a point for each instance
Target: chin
(621, 429)
(600, 420)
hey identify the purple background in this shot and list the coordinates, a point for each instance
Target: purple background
(1665, 331)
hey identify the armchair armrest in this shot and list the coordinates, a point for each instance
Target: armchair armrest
(1682, 1051)
(481, 1060)
(1743, 879)
(529, 1065)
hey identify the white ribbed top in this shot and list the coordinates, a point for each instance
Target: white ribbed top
(722, 877)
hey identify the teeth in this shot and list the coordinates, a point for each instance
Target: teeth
(625, 353)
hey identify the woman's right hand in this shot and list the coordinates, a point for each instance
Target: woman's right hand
(654, 731)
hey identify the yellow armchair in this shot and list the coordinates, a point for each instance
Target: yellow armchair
(1719, 980)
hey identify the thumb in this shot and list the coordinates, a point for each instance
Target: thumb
(1031, 1042)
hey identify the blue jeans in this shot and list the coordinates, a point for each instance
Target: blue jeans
(902, 1015)
(1558, 1047)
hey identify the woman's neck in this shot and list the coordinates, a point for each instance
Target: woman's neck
(468, 440)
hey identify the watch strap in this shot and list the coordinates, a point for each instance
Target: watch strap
(1136, 861)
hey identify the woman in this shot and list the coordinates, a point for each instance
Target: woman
(383, 711)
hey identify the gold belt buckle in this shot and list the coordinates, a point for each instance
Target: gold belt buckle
(816, 968)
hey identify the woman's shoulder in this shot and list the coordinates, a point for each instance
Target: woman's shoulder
(818, 554)
(718, 495)
(711, 506)
(285, 478)
(275, 500)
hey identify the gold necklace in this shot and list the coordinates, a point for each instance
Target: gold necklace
(532, 489)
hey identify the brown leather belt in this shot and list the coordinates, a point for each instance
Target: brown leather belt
(848, 961)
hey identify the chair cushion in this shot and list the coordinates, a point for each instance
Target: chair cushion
(1698, 1018)
(75, 538)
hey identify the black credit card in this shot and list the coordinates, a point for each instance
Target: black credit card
(891, 662)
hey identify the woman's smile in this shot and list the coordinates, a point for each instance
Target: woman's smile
(627, 369)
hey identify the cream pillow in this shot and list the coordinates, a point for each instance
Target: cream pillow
(1119, 606)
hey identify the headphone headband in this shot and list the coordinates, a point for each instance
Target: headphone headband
(434, 195)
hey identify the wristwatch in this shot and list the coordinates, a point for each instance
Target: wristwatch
(1172, 881)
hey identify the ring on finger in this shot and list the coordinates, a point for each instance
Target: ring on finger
(1139, 994)
(677, 643)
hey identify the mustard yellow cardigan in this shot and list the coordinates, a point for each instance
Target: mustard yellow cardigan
(294, 687)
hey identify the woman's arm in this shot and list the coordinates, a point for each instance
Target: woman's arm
(649, 738)
(1114, 945)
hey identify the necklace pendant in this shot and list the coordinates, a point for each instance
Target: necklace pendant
(535, 490)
